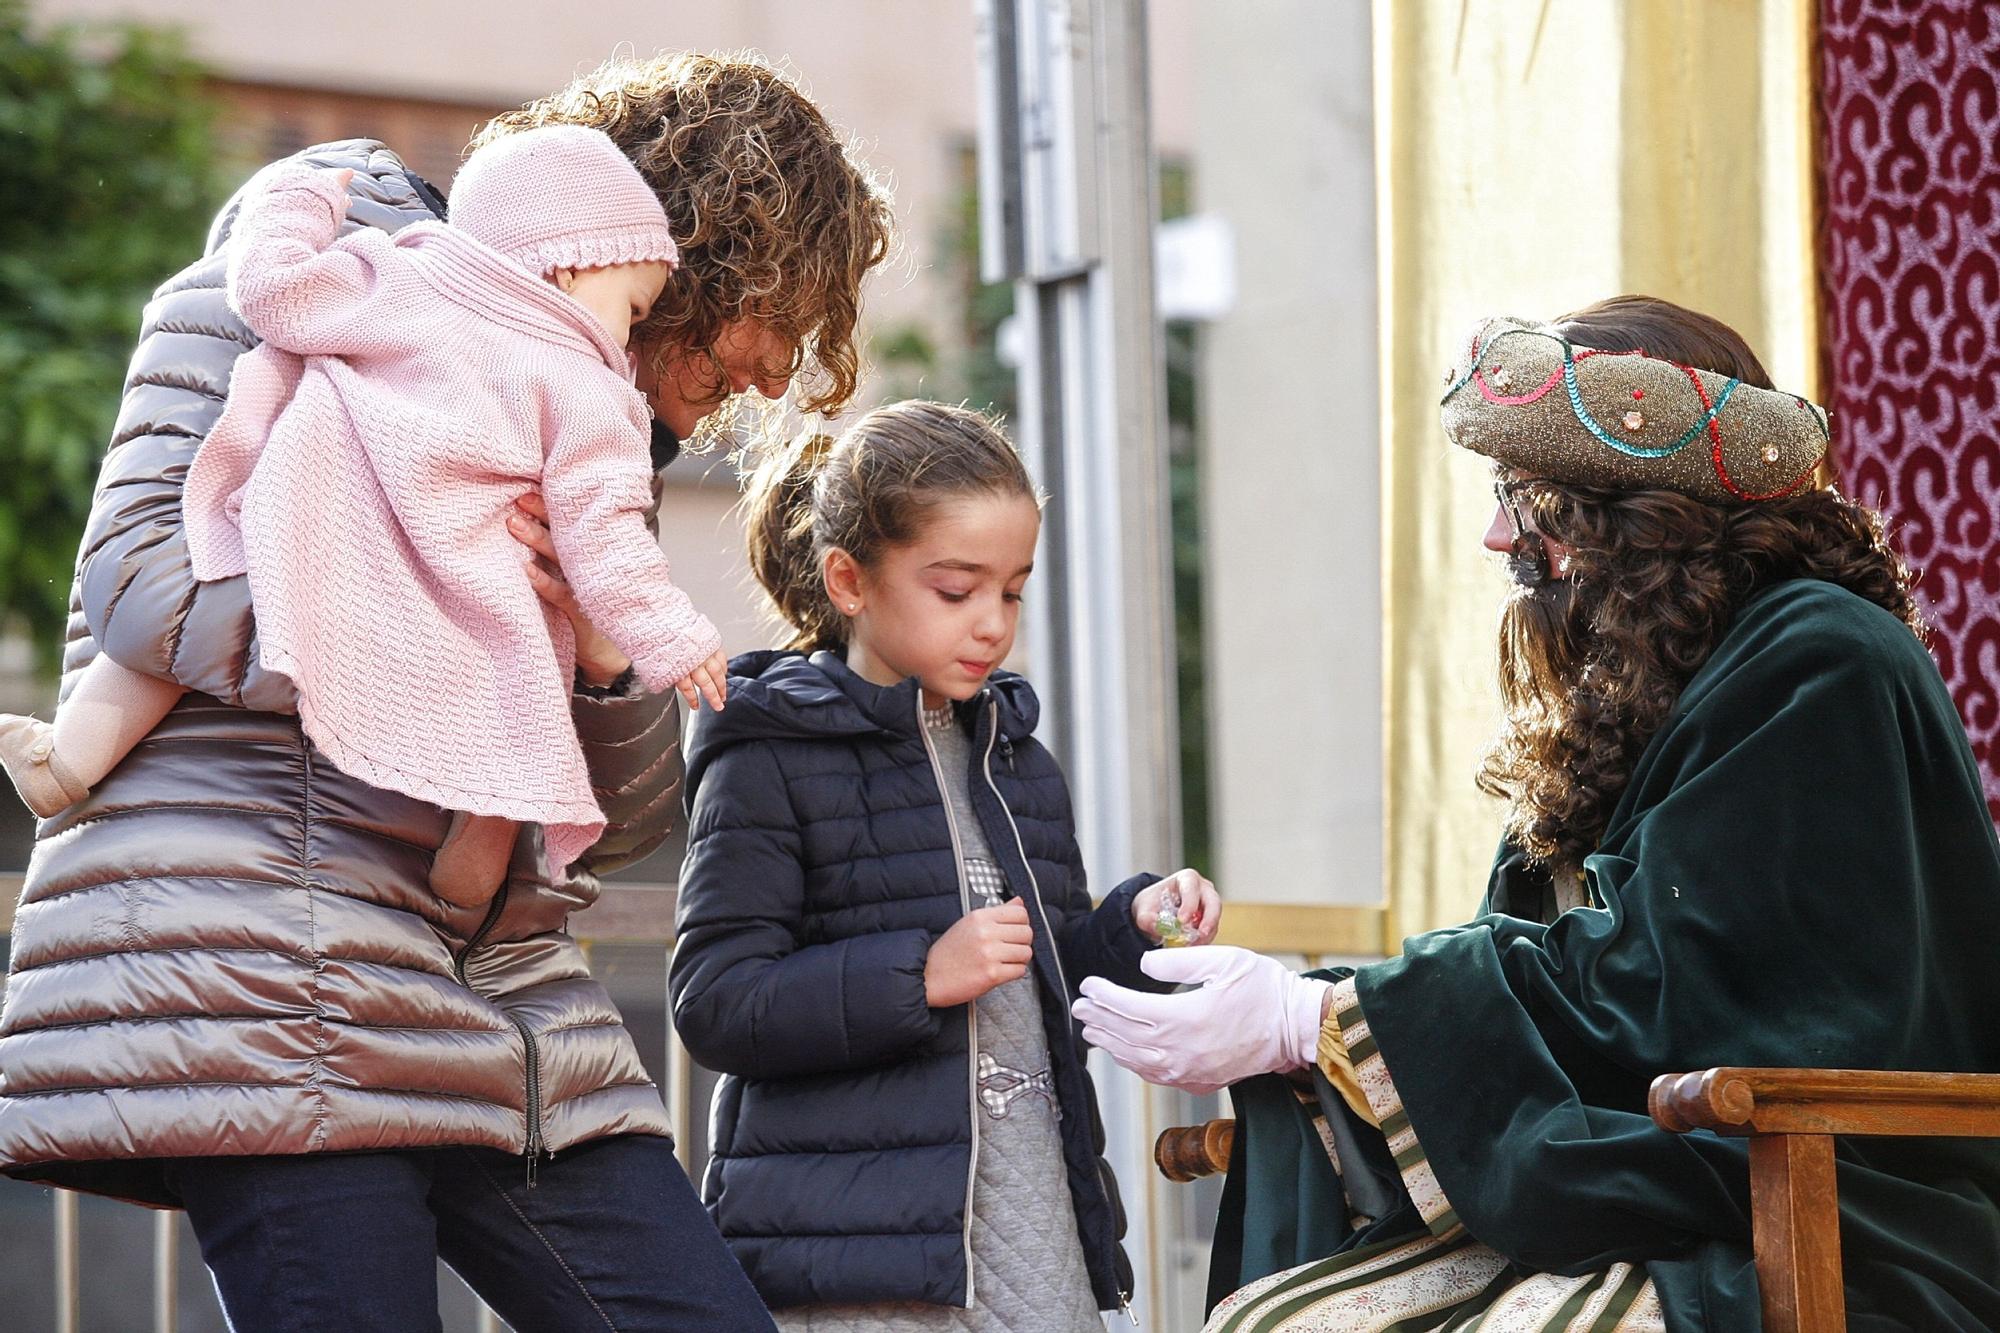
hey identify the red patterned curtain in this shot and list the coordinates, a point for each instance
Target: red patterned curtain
(1909, 144)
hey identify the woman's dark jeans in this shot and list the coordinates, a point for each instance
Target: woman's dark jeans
(610, 1236)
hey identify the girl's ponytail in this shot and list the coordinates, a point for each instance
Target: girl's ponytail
(784, 557)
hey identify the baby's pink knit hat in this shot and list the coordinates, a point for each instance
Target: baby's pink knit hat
(560, 196)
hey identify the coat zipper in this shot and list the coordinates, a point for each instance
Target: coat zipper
(972, 1006)
(535, 1144)
(1055, 946)
(986, 767)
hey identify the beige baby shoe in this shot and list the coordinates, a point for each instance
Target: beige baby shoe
(28, 750)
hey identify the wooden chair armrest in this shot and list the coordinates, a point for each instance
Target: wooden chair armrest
(1189, 1152)
(1827, 1101)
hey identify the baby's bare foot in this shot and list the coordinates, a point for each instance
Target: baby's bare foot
(473, 859)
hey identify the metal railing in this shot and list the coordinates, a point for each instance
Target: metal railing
(643, 914)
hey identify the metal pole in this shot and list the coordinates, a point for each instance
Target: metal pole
(69, 1287)
(679, 1090)
(166, 1272)
(1136, 789)
(1067, 213)
(1068, 205)
(681, 1099)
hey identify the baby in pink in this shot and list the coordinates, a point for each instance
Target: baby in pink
(409, 389)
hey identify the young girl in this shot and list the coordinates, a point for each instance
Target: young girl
(883, 915)
(409, 392)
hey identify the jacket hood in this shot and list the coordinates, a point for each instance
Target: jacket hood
(781, 693)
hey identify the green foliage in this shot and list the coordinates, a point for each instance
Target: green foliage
(1190, 643)
(982, 380)
(105, 189)
(1182, 346)
(906, 357)
(908, 344)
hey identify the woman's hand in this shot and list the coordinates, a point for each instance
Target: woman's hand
(598, 659)
(1184, 897)
(1250, 1015)
(983, 949)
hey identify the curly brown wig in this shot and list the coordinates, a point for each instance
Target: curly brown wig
(1592, 665)
(775, 217)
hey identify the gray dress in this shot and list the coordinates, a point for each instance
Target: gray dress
(1028, 1274)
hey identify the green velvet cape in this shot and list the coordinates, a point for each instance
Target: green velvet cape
(1802, 872)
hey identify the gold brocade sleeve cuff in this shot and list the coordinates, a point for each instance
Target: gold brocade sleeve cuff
(1334, 1062)
(1364, 1080)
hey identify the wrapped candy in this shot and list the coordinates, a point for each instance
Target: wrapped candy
(1173, 932)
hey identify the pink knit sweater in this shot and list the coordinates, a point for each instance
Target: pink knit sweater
(408, 390)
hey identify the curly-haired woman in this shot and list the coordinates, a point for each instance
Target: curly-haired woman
(1744, 827)
(230, 989)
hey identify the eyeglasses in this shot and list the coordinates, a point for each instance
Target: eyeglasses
(1508, 494)
(1529, 558)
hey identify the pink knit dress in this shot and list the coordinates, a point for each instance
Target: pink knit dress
(408, 390)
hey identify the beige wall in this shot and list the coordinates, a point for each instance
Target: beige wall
(897, 74)
(1289, 454)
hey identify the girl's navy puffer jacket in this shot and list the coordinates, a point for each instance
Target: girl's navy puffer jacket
(819, 872)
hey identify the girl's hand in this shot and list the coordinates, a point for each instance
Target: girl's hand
(342, 176)
(1186, 897)
(597, 658)
(708, 681)
(983, 949)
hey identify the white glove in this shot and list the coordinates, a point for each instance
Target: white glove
(1251, 1015)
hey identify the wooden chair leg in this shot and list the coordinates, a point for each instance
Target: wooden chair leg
(1795, 1210)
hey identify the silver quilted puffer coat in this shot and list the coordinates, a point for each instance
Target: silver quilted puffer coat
(229, 946)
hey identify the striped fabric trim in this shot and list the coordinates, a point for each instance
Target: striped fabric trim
(1394, 1284)
(1439, 1281)
(1619, 1299)
(1387, 1103)
(1431, 1284)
